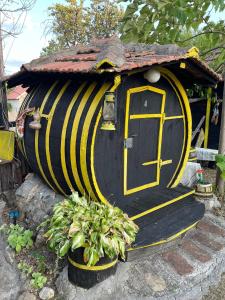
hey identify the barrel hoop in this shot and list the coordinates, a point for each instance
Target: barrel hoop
(92, 268)
(47, 135)
(63, 137)
(37, 135)
(27, 104)
(117, 82)
(184, 137)
(84, 137)
(73, 139)
(177, 86)
(20, 142)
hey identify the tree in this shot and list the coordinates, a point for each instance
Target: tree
(183, 22)
(75, 23)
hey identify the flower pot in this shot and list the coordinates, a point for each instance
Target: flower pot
(203, 190)
(84, 276)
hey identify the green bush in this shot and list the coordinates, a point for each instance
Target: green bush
(101, 229)
(18, 237)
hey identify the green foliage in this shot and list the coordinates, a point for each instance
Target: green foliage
(18, 237)
(220, 163)
(186, 23)
(38, 280)
(40, 261)
(102, 230)
(25, 268)
(74, 23)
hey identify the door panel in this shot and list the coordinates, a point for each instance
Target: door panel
(143, 130)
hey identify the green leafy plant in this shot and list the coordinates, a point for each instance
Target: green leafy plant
(40, 261)
(101, 229)
(19, 238)
(220, 163)
(25, 268)
(38, 280)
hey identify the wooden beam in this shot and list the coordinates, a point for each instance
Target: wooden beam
(219, 180)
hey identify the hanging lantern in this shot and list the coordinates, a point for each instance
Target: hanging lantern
(109, 112)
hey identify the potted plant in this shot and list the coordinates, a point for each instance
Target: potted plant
(202, 187)
(92, 234)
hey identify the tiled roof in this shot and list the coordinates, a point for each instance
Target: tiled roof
(16, 92)
(111, 55)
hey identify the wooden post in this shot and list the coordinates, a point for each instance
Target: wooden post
(219, 180)
(207, 119)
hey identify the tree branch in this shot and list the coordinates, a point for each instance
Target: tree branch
(201, 33)
(211, 50)
(220, 65)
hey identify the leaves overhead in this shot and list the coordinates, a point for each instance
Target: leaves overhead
(75, 23)
(183, 22)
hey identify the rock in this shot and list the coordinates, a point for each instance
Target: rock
(2, 207)
(47, 293)
(10, 281)
(156, 282)
(210, 203)
(27, 296)
(35, 199)
(40, 240)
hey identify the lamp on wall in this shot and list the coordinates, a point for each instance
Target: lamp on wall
(152, 75)
(109, 111)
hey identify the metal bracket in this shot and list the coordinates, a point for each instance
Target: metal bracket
(128, 143)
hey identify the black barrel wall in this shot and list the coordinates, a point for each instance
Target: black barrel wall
(72, 152)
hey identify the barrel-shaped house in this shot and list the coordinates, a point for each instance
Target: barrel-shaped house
(113, 122)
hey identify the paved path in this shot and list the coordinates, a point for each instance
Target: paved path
(180, 270)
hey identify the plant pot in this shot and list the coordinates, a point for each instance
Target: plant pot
(84, 276)
(203, 190)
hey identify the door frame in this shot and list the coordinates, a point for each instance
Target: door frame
(128, 117)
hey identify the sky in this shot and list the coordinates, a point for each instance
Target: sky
(28, 45)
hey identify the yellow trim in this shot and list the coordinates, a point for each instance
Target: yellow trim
(92, 268)
(47, 135)
(108, 125)
(150, 163)
(161, 116)
(117, 81)
(193, 52)
(104, 61)
(192, 150)
(144, 213)
(173, 118)
(166, 162)
(173, 237)
(36, 142)
(73, 140)
(182, 65)
(145, 116)
(192, 159)
(46, 116)
(63, 136)
(207, 119)
(84, 137)
(185, 105)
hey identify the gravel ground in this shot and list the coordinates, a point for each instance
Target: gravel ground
(218, 292)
